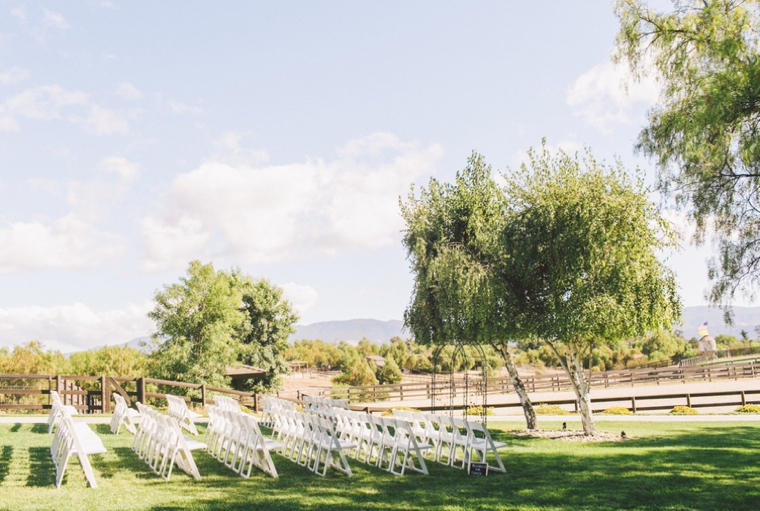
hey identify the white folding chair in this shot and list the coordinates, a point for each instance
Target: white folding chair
(480, 444)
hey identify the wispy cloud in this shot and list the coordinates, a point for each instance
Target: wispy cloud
(607, 94)
(54, 19)
(181, 108)
(129, 91)
(13, 75)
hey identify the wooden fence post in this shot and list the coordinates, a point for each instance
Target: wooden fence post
(633, 404)
(688, 400)
(744, 398)
(203, 395)
(141, 390)
(58, 387)
(105, 397)
(255, 402)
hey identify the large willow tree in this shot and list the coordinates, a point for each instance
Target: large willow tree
(704, 132)
(452, 241)
(580, 260)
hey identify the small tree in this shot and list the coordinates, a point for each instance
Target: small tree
(390, 372)
(580, 257)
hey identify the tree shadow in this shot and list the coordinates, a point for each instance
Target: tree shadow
(15, 428)
(103, 429)
(121, 459)
(5, 462)
(697, 468)
(40, 428)
(41, 468)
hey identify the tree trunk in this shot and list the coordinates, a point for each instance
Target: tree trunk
(574, 368)
(530, 413)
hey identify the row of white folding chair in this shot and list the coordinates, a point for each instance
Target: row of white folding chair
(387, 443)
(317, 402)
(234, 438)
(311, 441)
(123, 414)
(470, 438)
(74, 438)
(57, 411)
(159, 441)
(227, 403)
(270, 405)
(178, 410)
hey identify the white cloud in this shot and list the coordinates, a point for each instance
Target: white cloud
(71, 327)
(301, 297)
(233, 152)
(607, 95)
(129, 91)
(54, 20)
(181, 108)
(125, 169)
(102, 121)
(270, 213)
(14, 74)
(43, 102)
(19, 13)
(68, 242)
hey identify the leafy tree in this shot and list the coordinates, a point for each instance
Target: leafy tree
(267, 323)
(32, 358)
(212, 319)
(390, 372)
(357, 374)
(198, 321)
(704, 133)
(110, 361)
(315, 353)
(580, 256)
(452, 241)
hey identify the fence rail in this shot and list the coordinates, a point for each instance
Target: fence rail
(32, 392)
(445, 387)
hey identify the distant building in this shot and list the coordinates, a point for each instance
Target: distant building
(707, 345)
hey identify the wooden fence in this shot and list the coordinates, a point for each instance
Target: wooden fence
(444, 387)
(32, 392)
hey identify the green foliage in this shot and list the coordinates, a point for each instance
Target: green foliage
(267, 323)
(31, 358)
(109, 361)
(683, 410)
(389, 411)
(212, 319)
(749, 408)
(358, 373)
(662, 344)
(703, 132)
(390, 372)
(617, 410)
(479, 411)
(544, 409)
(315, 353)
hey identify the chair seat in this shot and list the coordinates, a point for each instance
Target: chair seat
(271, 445)
(422, 447)
(481, 443)
(194, 445)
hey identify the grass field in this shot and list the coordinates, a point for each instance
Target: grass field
(674, 466)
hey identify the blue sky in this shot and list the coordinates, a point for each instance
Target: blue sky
(272, 136)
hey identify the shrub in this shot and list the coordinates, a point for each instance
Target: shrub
(544, 409)
(683, 410)
(748, 409)
(617, 410)
(478, 410)
(389, 411)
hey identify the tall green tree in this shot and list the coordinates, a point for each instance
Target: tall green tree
(197, 326)
(267, 323)
(452, 240)
(704, 133)
(580, 257)
(212, 319)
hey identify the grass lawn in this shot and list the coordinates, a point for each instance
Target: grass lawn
(666, 466)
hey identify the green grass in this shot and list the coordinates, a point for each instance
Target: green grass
(675, 466)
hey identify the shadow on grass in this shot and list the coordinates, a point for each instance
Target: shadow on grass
(121, 459)
(41, 469)
(15, 428)
(103, 429)
(40, 428)
(5, 461)
(702, 469)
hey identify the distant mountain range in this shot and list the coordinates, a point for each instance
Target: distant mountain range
(351, 330)
(745, 318)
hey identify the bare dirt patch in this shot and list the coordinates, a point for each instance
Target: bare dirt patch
(571, 435)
